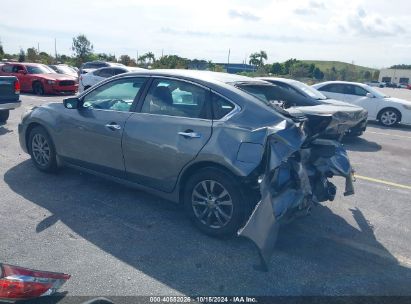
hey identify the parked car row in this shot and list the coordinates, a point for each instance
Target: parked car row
(39, 79)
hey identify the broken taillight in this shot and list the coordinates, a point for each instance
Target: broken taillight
(22, 283)
(17, 86)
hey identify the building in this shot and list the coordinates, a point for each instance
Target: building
(395, 76)
(234, 68)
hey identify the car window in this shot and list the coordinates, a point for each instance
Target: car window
(117, 71)
(221, 107)
(333, 88)
(355, 90)
(278, 95)
(8, 68)
(289, 88)
(39, 69)
(107, 72)
(176, 98)
(17, 68)
(117, 95)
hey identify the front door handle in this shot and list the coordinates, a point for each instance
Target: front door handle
(189, 134)
(113, 126)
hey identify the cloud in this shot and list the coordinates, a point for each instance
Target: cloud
(247, 16)
(369, 25)
(310, 9)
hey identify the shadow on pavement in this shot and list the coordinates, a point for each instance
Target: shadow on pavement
(360, 144)
(321, 254)
(4, 130)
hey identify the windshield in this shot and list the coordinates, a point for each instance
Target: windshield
(375, 92)
(273, 93)
(39, 69)
(65, 69)
(310, 91)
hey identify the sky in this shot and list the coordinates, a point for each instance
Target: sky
(373, 33)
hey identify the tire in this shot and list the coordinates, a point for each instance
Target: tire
(38, 88)
(214, 213)
(389, 117)
(4, 115)
(42, 151)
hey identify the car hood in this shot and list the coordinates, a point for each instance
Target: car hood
(398, 100)
(55, 76)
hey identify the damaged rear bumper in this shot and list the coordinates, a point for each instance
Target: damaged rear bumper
(294, 180)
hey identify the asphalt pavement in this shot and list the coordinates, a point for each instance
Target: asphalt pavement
(114, 240)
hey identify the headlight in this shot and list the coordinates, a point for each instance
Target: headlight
(51, 82)
(408, 107)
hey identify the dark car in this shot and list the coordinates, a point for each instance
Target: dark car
(9, 96)
(307, 99)
(192, 137)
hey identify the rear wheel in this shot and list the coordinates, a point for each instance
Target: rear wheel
(214, 202)
(4, 115)
(42, 151)
(389, 117)
(38, 88)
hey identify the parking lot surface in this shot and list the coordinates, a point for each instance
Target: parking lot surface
(114, 240)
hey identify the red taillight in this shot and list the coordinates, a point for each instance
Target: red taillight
(22, 283)
(17, 86)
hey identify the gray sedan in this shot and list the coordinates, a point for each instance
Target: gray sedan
(191, 137)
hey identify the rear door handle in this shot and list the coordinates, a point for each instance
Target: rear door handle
(190, 134)
(113, 126)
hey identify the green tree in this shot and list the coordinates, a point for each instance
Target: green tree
(254, 59)
(32, 54)
(22, 56)
(376, 75)
(276, 68)
(82, 48)
(125, 59)
(1, 51)
(318, 74)
(367, 75)
(150, 56)
(299, 70)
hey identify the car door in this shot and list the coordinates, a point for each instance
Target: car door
(91, 135)
(171, 127)
(20, 72)
(334, 91)
(358, 95)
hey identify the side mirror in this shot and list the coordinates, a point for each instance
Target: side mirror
(71, 103)
(22, 72)
(369, 95)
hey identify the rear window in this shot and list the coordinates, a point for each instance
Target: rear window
(94, 65)
(278, 95)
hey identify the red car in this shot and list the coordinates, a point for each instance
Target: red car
(39, 78)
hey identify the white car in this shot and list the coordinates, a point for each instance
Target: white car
(89, 79)
(375, 83)
(387, 110)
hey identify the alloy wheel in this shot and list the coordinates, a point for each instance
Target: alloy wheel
(212, 204)
(389, 118)
(41, 150)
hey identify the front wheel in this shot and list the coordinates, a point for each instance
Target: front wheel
(214, 202)
(389, 117)
(4, 115)
(38, 88)
(42, 151)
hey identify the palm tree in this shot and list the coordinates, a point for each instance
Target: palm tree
(150, 56)
(254, 59)
(262, 55)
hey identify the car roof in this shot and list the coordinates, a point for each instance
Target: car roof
(279, 79)
(202, 76)
(340, 82)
